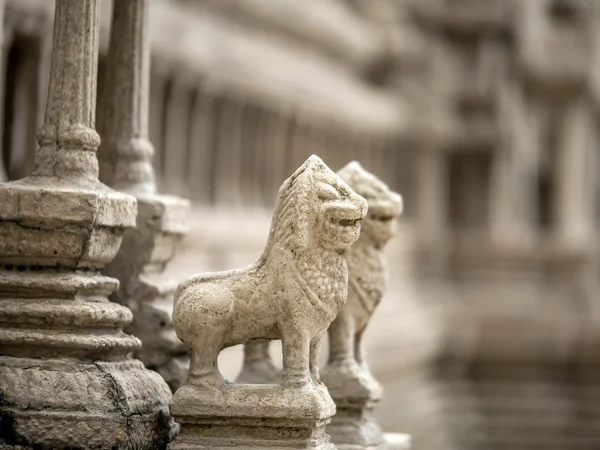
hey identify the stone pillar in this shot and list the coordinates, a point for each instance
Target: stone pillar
(65, 378)
(347, 376)
(174, 158)
(228, 167)
(278, 143)
(200, 173)
(431, 202)
(574, 194)
(256, 129)
(156, 120)
(126, 164)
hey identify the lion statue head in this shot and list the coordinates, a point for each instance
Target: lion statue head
(385, 206)
(315, 208)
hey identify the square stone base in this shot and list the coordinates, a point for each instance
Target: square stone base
(252, 417)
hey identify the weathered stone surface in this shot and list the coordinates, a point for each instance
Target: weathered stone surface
(61, 403)
(126, 164)
(65, 377)
(292, 293)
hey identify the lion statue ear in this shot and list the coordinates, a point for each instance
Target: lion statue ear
(350, 171)
(352, 165)
(289, 225)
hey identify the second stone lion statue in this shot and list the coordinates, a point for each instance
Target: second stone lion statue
(367, 279)
(293, 292)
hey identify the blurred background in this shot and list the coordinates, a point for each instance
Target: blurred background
(483, 114)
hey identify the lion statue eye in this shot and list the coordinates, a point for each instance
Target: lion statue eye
(328, 192)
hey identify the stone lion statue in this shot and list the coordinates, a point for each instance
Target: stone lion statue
(293, 292)
(366, 283)
(367, 280)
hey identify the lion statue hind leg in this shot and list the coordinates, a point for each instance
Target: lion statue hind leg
(201, 317)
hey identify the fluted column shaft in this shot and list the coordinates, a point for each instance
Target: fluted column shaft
(126, 152)
(574, 180)
(67, 139)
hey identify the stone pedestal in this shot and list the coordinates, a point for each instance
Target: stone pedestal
(356, 395)
(65, 377)
(161, 222)
(257, 417)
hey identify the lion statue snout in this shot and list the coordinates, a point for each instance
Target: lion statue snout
(342, 220)
(385, 206)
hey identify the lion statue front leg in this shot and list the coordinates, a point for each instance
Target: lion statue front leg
(296, 350)
(342, 333)
(315, 350)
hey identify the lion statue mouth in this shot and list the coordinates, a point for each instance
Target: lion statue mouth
(382, 217)
(345, 219)
(385, 206)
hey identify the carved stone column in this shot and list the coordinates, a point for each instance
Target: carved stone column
(203, 129)
(228, 166)
(126, 164)
(574, 201)
(65, 378)
(277, 144)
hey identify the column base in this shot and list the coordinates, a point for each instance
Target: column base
(252, 417)
(64, 403)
